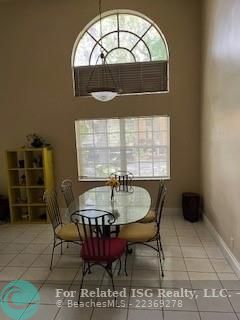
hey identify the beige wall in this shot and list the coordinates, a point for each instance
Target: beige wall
(36, 87)
(221, 118)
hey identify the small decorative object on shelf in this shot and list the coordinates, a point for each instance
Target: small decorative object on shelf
(40, 199)
(25, 216)
(113, 183)
(40, 161)
(21, 163)
(21, 200)
(35, 163)
(22, 180)
(36, 141)
(40, 181)
(43, 216)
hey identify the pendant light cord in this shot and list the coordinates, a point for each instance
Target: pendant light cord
(100, 16)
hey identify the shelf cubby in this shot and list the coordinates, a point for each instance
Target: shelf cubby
(35, 177)
(38, 213)
(34, 158)
(19, 196)
(20, 214)
(35, 195)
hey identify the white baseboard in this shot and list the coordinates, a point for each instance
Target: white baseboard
(172, 211)
(223, 246)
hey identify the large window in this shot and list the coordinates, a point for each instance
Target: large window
(134, 48)
(140, 145)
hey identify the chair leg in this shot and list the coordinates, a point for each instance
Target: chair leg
(67, 244)
(120, 266)
(61, 248)
(110, 273)
(130, 251)
(81, 283)
(54, 244)
(159, 255)
(125, 264)
(161, 247)
(89, 268)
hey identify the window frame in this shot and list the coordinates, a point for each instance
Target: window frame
(136, 178)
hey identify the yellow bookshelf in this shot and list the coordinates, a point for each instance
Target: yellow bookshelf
(30, 174)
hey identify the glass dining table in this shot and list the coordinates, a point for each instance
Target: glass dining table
(127, 207)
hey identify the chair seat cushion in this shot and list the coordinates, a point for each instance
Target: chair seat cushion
(138, 232)
(150, 217)
(105, 250)
(69, 232)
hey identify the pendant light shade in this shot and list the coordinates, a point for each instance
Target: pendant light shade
(104, 95)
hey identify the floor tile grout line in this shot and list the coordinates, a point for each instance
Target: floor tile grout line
(163, 310)
(83, 284)
(218, 280)
(204, 247)
(70, 285)
(34, 296)
(190, 281)
(210, 259)
(59, 309)
(22, 249)
(232, 306)
(184, 259)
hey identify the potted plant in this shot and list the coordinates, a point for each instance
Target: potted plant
(36, 141)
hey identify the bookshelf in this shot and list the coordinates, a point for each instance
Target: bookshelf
(30, 174)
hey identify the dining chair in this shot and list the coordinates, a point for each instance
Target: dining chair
(98, 248)
(146, 233)
(62, 232)
(67, 191)
(125, 179)
(152, 213)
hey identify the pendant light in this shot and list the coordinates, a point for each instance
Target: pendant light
(101, 84)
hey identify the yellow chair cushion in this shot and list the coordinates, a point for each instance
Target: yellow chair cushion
(150, 217)
(69, 232)
(138, 232)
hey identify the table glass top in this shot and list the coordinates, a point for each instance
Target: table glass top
(127, 207)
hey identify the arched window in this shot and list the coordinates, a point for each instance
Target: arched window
(134, 48)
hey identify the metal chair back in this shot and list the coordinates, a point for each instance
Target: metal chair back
(160, 190)
(94, 223)
(161, 206)
(66, 188)
(125, 179)
(53, 211)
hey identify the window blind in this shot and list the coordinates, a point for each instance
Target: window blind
(138, 77)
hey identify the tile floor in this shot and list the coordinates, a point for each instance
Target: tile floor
(193, 262)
